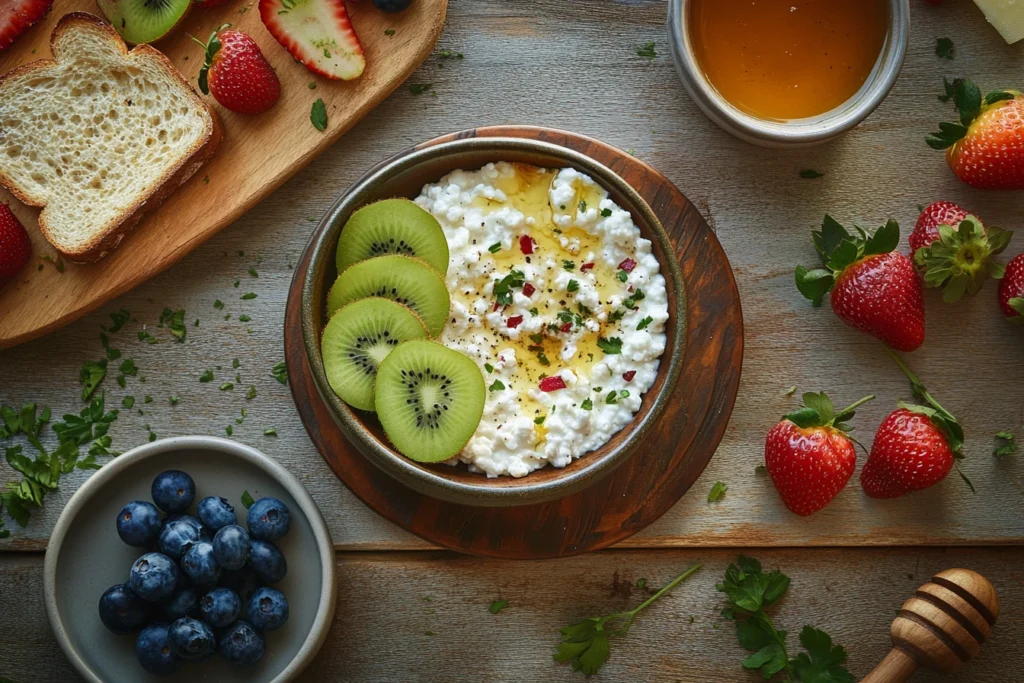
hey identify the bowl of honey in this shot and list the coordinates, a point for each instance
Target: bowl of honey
(786, 73)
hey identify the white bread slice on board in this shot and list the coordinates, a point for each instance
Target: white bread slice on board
(99, 135)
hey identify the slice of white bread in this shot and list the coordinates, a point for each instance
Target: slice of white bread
(99, 135)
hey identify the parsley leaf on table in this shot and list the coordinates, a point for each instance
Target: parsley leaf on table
(718, 490)
(1008, 445)
(91, 374)
(647, 50)
(586, 644)
(280, 372)
(318, 115)
(497, 606)
(175, 322)
(749, 591)
(944, 48)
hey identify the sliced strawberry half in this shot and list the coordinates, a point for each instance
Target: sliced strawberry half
(318, 33)
(16, 16)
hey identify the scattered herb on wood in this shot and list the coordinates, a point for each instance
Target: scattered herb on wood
(247, 500)
(1007, 444)
(175, 322)
(318, 115)
(91, 374)
(718, 490)
(420, 88)
(497, 606)
(207, 376)
(944, 48)
(647, 50)
(280, 372)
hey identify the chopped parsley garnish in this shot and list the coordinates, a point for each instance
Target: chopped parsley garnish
(448, 54)
(248, 296)
(582, 206)
(534, 311)
(647, 50)
(175, 322)
(128, 402)
(128, 368)
(494, 248)
(503, 288)
(718, 490)
(147, 337)
(539, 420)
(252, 271)
(119, 318)
(605, 213)
(251, 393)
(318, 115)
(569, 265)
(497, 606)
(269, 431)
(613, 396)
(229, 430)
(147, 399)
(496, 385)
(235, 363)
(280, 373)
(543, 359)
(587, 404)
(537, 338)
(207, 376)
(247, 500)
(244, 318)
(573, 286)
(173, 400)
(227, 386)
(237, 282)
(611, 346)
(944, 48)
(91, 374)
(643, 324)
(622, 275)
(1008, 445)
(121, 381)
(489, 368)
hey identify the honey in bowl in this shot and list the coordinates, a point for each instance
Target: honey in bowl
(787, 59)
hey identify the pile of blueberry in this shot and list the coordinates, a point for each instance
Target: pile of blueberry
(204, 584)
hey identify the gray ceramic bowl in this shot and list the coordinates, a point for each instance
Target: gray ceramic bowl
(798, 132)
(85, 557)
(404, 176)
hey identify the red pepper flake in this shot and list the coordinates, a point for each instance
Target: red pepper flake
(553, 383)
(566, 327)
(514, 322)
(627, 265)
(528, 289)
(586, 266)
(496, 306)
(628, 376)
(526, 244)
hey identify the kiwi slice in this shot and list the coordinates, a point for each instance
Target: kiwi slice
(393, 226)
(143, 21)
(429, 399)
(357, 338)
(402, 279)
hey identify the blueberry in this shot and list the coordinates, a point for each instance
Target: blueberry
(184, 602)
(268, 609)
(191, 639)
(176, 538)
(138, 523)
(220, 607)
(154, 652)
(173, 491)
(231, 547)
(243, 582)
(199, 565)
(268, 519)
(391, 5)
(122, 611)
(267, 562)
(215, 512)
(154, 577)
(194, 521)
(241, 644)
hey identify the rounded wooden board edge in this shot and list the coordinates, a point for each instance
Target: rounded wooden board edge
(79, 306)
(643, 488)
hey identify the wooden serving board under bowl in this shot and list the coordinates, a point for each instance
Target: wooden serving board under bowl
(257, 155)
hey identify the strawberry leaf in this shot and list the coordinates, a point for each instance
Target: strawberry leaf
(1017, 304)
(998, 96)
(829, 237)
(948, 90)
(814, 284)
(949, 134)
(967, 98)
(885, 239)
(843, 255)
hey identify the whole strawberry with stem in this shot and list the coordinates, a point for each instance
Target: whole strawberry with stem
(955, 251)
(915, 446)
(985, 148)
(237, 73)
(873, 287)
(1011, 291)
(15, 247)
(808, 454)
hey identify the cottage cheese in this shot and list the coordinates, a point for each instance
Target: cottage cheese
(586, 309)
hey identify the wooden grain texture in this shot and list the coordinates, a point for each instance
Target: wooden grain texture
(424, 616)
(255, 157)
(665, 464)
(761, 211)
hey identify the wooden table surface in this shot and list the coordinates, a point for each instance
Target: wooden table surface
(574, 66)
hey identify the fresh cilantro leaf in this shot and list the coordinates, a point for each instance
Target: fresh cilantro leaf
(128, 367)
(1008, 445)
(218, 304)
(944, 48)
(718, 490)
(496, 385)
(497, 606)
(587, 404)
(247, 500)
(280, 373)
(573, 286)
(605, 213)
(91, 374)
(128, 402)
(643, 324)
(647, 50)
(503, 288)
(611, 346)
(318, 115)
(586, 644)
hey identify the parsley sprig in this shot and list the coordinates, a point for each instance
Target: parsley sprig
(748, 592)
(586, 643)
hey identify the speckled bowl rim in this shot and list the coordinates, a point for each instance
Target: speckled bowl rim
(422, 479)
(328, 590)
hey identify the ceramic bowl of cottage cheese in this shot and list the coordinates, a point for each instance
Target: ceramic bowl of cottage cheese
(565, 292)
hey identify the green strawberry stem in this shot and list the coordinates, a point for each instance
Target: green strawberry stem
(920, 391)
(856, 404)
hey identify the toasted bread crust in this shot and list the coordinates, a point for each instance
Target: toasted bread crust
(104, 242)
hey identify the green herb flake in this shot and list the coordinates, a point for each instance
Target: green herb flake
(489, 368)
(944, 48)
(227, 386)
(496, 385)
(147, 399)
(175, 322)
(1007, 444)
(269, 431)
(318, 115)
(206, 376)
(647, 50)
(235, 363)
(91, 374)
(389, 31)
(449, 54)
(569, 265)
(582, 206)
(128, 402)
(539, 420)
(587, 404)
(118, 318)
(718, 490)
(494, 248)
(229, 430)
(248, 296)
(244, 318)
(643, 324)
(420, 88)
(173, 400)
(251, 393)
(247, 500)
(622, 275)
(573, 286)
(760, 469)
(252, 272)
(280, 373)
(497, 606)
(611, 346)
(605, 213)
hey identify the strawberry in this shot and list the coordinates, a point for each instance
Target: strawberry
(15, 247)
(915, 446)
(1011, 291)
(986, 148)
(16, 16)
(953, 250)
(808, 455)
(317, 33)
(873, 287)
(237, 73)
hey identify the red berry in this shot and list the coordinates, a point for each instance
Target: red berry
(553, 383)
(629, 375)
(926, 230)
(15, 247)
(882, 295)
(808, 466)
(238, 75)
(514, 322)
(526, 244)
(1011, 290)
(627, 265)
(528, 289)
(909, 453)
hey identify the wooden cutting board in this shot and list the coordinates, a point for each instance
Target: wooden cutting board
(256, 156)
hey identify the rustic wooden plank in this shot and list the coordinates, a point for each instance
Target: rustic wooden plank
(762, 212)
(424, 617)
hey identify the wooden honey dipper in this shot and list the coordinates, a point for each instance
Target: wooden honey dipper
(941, 627)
